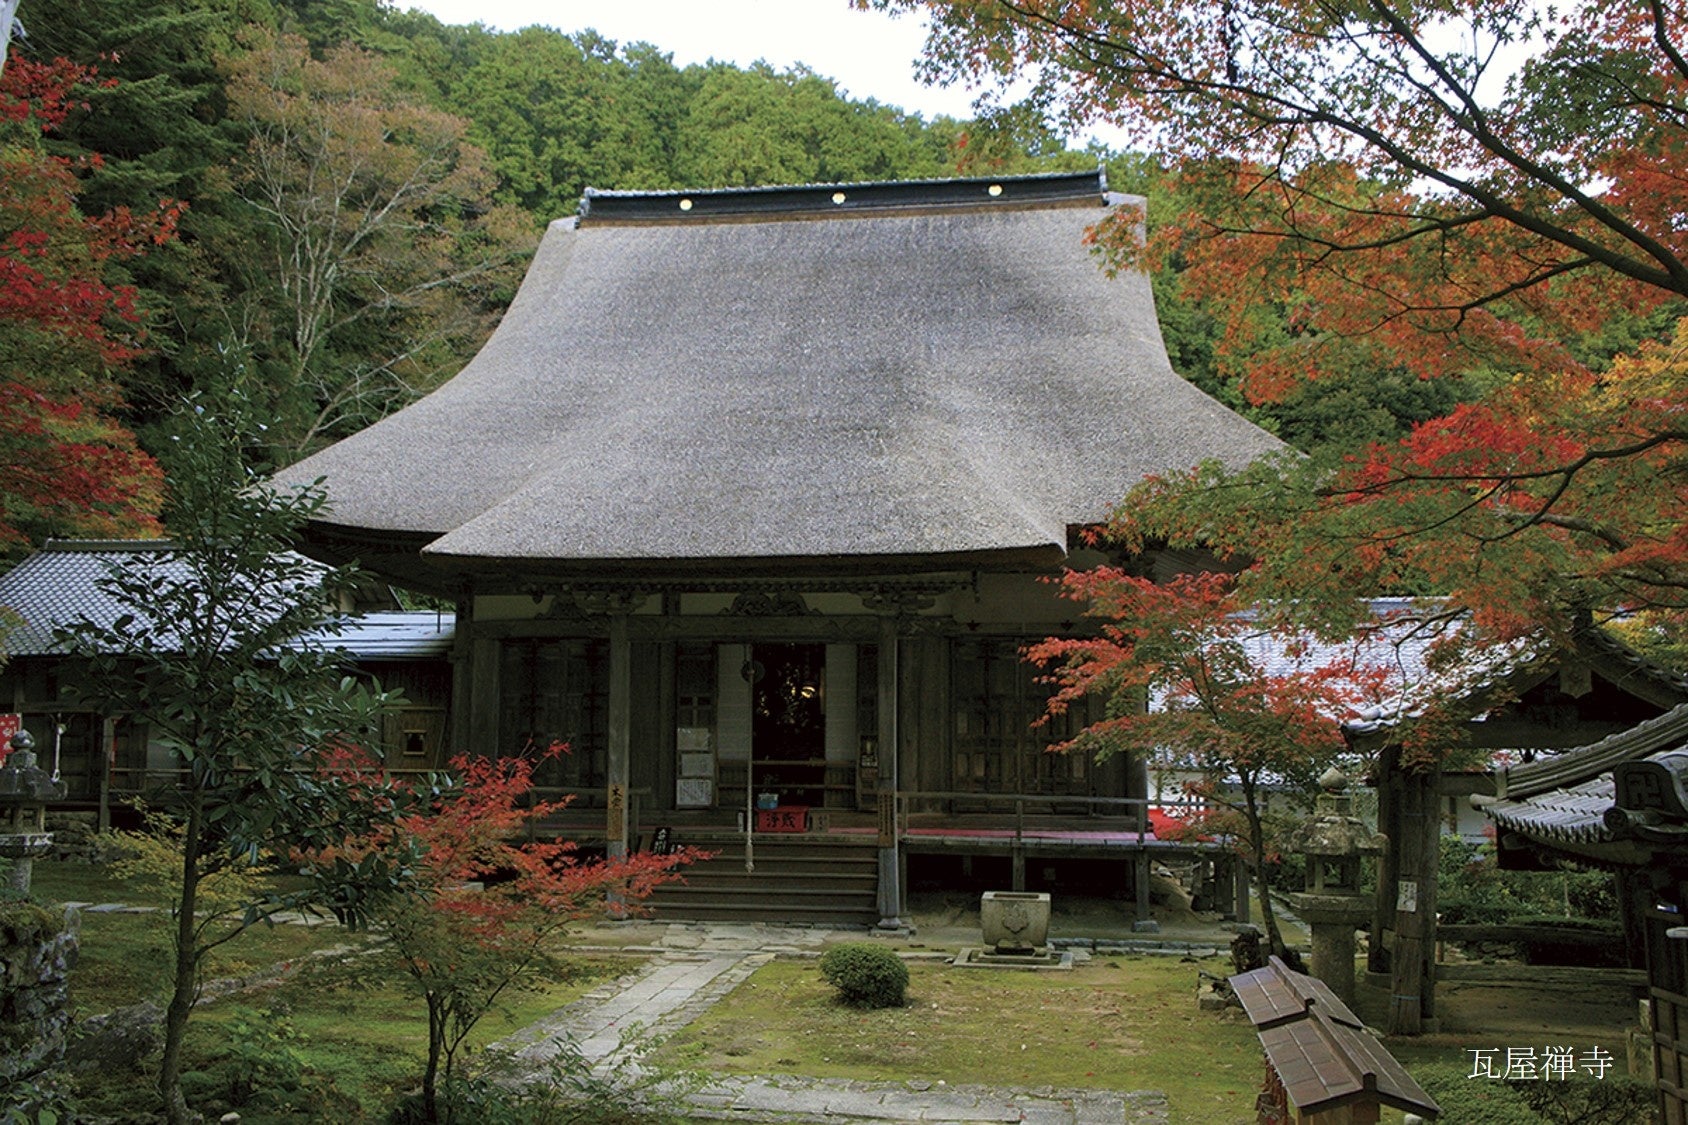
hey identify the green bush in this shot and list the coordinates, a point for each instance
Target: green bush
(866, 975)
(1613, 1100)
(1471, 888)
(1473, 1101)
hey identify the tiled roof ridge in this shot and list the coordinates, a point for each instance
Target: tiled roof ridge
(1632, 661)
(1585, 763)
(100, 546)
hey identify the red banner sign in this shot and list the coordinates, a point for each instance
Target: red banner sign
(785, 818)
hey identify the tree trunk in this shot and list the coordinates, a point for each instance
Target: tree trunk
(436, 1046)
(1257, 858)
(186, 983)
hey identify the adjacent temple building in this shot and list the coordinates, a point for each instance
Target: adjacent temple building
(748, 500)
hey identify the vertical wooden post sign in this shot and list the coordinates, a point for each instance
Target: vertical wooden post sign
(615, 827)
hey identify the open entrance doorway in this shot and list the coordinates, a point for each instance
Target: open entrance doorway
(788, 722)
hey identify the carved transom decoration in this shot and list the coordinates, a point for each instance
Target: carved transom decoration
(755, 603)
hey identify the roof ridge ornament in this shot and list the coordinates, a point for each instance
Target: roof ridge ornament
(810, 200)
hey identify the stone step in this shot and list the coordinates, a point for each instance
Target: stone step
(763, 882)
(849, 915)
(792, 881)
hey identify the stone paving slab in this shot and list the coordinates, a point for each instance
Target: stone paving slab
(793, 1098)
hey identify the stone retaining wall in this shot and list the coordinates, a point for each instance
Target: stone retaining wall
(77, 838)
(38, 948)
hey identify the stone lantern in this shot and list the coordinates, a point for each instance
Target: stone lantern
(1331, 903)
(25, 789)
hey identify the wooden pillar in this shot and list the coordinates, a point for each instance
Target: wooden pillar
(619, 735)
(462, 684)
(890, 858)
(1240, 888)
(483, 697)
(108, 741)
(1389, 862)
(1141, 888)
(1412, 972)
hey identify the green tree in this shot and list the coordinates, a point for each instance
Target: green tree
(379, 260)
(557, 114)
(212, 647)
(750, 127)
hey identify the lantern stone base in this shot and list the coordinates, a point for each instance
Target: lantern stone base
(1331, 921)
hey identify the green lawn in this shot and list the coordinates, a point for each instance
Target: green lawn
(339, 1038)
(1123, 1023)
(82, 882)
(350, 1040)
(354, 1035)
(125, 958)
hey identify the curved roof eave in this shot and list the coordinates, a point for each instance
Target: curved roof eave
(896, 384)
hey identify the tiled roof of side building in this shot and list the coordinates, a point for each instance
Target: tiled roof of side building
(61, 584)
(1562, 800)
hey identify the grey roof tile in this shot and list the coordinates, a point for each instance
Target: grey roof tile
(60, 584)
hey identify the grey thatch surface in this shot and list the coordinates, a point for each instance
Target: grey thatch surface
(956, 381)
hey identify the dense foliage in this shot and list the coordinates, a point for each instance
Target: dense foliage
(68, 326)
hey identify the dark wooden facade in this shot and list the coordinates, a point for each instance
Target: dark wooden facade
(104, 759)
(1621, 805)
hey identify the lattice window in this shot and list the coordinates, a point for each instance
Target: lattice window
(997, 698)
(557, 691)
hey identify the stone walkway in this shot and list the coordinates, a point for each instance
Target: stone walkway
(695, 967)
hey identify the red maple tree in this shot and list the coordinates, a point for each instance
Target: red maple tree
(68, 465)
(473, 909)
(1197, 682)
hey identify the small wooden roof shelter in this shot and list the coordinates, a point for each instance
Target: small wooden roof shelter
(1323, 1056)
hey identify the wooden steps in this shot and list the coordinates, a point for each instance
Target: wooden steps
(803, 879)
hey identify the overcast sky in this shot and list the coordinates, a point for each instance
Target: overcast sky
(869, 54)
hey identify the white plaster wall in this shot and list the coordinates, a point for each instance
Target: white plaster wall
(732, 700)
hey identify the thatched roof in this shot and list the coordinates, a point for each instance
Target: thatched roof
(921, 376)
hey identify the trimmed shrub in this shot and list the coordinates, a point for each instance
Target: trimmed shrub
(1473, 1101)
(1613, 1100)
(866, 975)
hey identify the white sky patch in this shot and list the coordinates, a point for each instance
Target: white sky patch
(868, 54)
